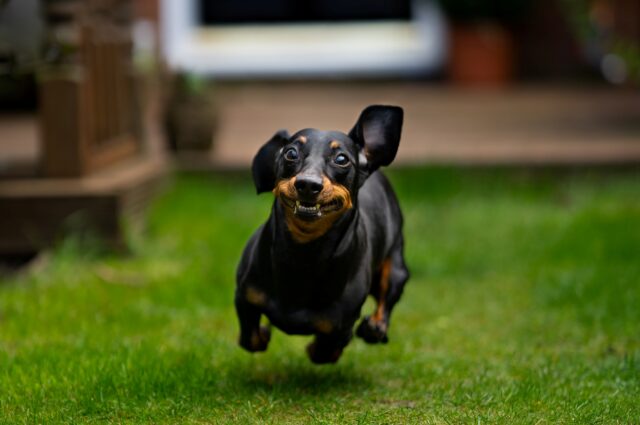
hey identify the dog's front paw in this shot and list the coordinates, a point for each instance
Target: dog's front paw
(257, 340)
(372, 331)
(322, 355)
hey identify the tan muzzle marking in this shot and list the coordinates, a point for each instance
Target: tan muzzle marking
(306, 231)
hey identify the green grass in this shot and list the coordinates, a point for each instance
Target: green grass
(523, 307)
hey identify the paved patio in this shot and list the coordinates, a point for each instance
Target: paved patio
(520, 125)
(530, 125)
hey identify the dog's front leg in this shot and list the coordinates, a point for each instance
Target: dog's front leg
(327, 348)
(253, 337)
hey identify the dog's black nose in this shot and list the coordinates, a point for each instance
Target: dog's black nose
(308, 186)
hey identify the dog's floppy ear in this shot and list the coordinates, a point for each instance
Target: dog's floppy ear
(378, 134)
(264, 163)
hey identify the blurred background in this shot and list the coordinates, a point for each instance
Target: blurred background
(99, 99)
(517, 175)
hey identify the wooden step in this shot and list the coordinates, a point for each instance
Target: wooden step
(35, 213)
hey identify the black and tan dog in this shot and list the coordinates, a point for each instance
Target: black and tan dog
(334, 236)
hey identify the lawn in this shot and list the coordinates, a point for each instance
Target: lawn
(523, 307)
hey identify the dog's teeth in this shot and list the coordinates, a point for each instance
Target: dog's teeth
(312, 209)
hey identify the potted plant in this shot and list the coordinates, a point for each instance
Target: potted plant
(190, 114)
(482, 46)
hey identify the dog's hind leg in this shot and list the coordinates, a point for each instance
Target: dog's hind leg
(327, 348)
(386, 289)
(397, 278)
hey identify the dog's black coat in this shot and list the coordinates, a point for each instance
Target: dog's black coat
(319, 286)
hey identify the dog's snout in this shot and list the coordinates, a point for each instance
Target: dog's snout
(308, 186)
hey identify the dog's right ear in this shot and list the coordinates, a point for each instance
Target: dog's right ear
(264, 163)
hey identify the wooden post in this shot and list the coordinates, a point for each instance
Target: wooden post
(64, 147)
(88, 119)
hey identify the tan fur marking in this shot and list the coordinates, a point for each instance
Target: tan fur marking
(334, 144)
(307, 231)
(385, 270)
(323, 325)
(255, 340)
(302, 139)
(286, 188)
(255, 296)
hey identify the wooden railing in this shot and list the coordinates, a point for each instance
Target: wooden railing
(89, 112)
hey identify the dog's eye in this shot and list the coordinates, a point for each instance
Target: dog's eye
(341, 160)
(291, 154)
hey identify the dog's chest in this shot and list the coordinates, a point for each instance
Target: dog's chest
(307, 289)
(307, 300)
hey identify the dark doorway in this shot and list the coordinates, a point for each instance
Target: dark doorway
(216, 12)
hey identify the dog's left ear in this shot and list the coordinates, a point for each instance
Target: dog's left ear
(263, 167)
(378, 134)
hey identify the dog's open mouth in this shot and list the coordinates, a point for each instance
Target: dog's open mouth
(309, 210)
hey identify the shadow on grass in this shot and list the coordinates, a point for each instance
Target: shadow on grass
(131, 380)
(294, 379)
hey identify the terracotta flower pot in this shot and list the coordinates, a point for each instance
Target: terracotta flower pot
(481, 55)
